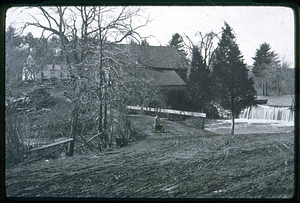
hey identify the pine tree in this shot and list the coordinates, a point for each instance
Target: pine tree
(177, 43)
(199, 81)
(232, 87)
(264, 61)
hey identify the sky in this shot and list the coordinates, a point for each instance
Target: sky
(251, 25)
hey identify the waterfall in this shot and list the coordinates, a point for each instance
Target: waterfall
(268, 113)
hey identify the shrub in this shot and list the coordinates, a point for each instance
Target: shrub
(178, 99)
(211, 111)
(16, 132)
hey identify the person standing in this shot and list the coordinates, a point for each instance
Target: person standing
(157, 120)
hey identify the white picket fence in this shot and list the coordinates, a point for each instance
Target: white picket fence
(171, 111)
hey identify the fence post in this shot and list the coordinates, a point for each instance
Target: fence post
(73, 130)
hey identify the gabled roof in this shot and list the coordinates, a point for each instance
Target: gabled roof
(165, 77)
(158, 62)
(160, 57)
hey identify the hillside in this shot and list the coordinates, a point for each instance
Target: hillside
(183, 162)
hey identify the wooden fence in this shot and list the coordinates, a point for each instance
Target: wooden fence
(47, 147)
(50, 145)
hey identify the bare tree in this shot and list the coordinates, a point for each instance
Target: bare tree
(288, 80)
(206, 46)
(87, 37)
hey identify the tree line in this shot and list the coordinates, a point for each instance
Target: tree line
(219, 78)
(218, 75)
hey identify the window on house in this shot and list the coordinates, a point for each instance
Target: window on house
(42, 75)
(61, 75)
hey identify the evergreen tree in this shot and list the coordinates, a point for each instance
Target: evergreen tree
(265, 61)
(15, 57)
(31, 41)
(177, 43)
(233, 88)
(199, 81)
(12, 38)
(144, 42)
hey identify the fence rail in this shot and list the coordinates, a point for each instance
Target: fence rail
(171, 111)
(50, 145)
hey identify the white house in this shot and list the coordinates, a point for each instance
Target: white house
(53, 71)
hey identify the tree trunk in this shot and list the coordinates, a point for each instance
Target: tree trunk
(111, 127)
(263, 87)
(105, 118)
(278, 89)
(100, 121)
(100, 126)
(202, 123)
(73, 130)
(105, 127)
(232, 124)
(105, 115)
(266, 86)
(232, 116)
(100, 129)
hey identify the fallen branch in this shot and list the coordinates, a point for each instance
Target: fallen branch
(85, 142)
(84, 145)
(89, 140)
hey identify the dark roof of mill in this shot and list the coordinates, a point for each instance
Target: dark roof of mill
(161, 62)
(159, 57)
(165, 77)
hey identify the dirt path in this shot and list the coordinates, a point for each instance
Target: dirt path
(183, 162)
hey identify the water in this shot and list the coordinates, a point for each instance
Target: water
(268, 113)
(249, 126)
(257, 119)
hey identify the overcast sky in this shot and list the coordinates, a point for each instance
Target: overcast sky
(252, 26)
